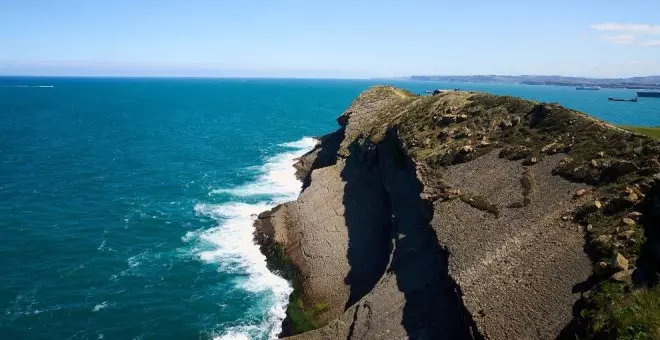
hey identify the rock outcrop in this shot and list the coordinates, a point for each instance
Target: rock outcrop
(455, 216)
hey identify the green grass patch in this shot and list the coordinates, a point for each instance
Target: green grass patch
(616, 312)
(301, 318)
(644, 130)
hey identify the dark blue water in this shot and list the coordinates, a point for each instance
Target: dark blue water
(127, 204)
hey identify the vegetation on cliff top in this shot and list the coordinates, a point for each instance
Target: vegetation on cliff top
(644, 130)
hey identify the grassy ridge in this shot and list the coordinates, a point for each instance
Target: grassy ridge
(644, 130)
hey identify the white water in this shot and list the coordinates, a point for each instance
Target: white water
(30, 86)
(277, 177)
(232, 244)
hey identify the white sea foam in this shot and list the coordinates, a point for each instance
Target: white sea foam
(277, 176)
(102, 245)
(231, 245)
(28, 86)
(306, 144)
(100, 306)
(238, 333)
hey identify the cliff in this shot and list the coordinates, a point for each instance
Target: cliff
(467, 216)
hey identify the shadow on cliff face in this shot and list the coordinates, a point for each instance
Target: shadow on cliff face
(433, 308)
(367, 215)
(325, 155)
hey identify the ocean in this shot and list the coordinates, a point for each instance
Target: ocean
(127, 204)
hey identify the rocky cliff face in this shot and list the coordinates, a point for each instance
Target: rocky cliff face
(460, 215)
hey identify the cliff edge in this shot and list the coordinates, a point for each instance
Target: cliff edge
(467, 216)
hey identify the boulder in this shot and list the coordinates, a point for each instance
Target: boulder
(620, 263)
(604, 239)
(514, 153)
(624, 276)
(464, 132)
(554, 147)
(461, 118)
(580, 193)
(466, 149)
(530, 161)
(628, 221)
(619, 168)
(548, 147)
(626, 235)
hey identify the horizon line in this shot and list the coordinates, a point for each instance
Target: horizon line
(409, 77)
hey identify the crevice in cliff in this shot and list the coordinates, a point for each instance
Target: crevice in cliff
(434, 308)
(367, 217)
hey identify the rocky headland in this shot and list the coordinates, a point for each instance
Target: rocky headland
(470, 216)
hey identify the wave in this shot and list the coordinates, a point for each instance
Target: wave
(29, 86)
(277, 177)
(306, 143)
(100, 306)
(231, 245)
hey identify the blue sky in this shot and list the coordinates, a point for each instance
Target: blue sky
(339, 38)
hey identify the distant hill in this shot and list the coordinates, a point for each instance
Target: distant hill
(649, 82)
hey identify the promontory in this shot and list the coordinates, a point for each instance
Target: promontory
(466, 215)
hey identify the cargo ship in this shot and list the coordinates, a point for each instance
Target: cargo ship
(592, 88)
(654, 94)
(612, 99)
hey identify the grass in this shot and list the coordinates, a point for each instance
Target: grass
(301, 318)
(644, 130)
(618, 313)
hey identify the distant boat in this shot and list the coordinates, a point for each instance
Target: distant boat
(438, 91)
(654, 94)
(612, 99)
(591, 88)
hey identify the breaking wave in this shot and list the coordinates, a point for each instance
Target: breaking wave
(231, 246)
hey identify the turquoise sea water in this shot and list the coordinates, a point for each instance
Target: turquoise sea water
(127, 204)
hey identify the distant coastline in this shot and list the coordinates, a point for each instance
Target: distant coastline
(649, 82)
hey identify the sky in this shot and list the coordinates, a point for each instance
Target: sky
(334, 39)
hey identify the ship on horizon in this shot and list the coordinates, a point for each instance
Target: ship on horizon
(652, 94)
(585, 87)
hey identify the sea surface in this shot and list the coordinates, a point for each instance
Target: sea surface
(126, 205)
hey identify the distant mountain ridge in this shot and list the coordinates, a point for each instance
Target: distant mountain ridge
(648, 82)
